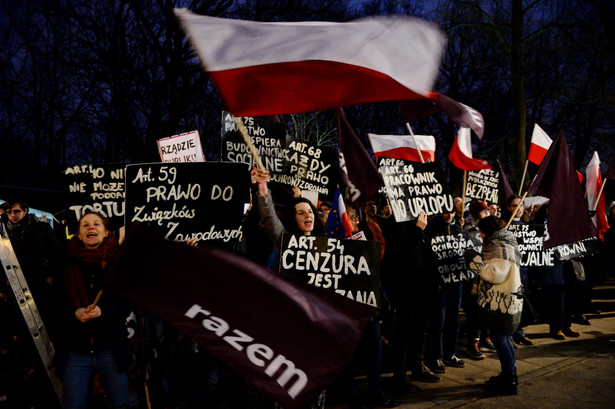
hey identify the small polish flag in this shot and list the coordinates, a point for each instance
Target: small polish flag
(594, 188)
(461, 153)
(403, 147)
(338, 222)
(539, 146)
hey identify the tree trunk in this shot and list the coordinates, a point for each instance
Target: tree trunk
(518, 89)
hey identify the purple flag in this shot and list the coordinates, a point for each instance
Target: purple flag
(568, 219)
(358, 170)
(289, 339)
(610, 172)
(504, 188)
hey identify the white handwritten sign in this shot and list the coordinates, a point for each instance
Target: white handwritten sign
(184, 147)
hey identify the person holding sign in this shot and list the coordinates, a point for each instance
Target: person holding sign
(500, 298)
(300, 219)
(95, 336)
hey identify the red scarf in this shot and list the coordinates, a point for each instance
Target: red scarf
(73, 279)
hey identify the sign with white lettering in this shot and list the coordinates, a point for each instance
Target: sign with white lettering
(414, 187)
(309, 167)
(585, 247)
(351, 268)
(98, 188)
(483, 185)
(448, 251)
(189, 200)
(268, 137)
(185, 147)
(530, 238)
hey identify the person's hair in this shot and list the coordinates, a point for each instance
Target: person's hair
(511, 198)
(105, 221)
(490, 225)
(290, 222)
(21, 203)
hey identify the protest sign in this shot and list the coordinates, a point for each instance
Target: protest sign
(185, 147)
(268, 137)
(414, 187)
(189, 200)
(98, 188)
(530, 238)
(483, 185)
(351, 268)
(309, 167)
(448, 251)
(585, 247)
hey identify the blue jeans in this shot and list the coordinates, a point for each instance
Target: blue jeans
(79, 370)
(444, 324)
(506, 352)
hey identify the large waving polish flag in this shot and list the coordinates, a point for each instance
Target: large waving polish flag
(539, 146)
(279, 68)
(403, 147)
(461, 153)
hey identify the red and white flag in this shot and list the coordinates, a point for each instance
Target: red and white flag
(403, 147)
(280, 68)
(539, 146)
(461, 153)
(594, 188)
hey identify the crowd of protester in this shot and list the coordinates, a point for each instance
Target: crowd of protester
(415, 335)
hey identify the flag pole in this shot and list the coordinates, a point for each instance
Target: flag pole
(463, 192)
(599, 194)
(248, 141)
(418, 148)
(512, 216)
(523, 177)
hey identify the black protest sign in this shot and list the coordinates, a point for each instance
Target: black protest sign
(483, 185)
(585, 247)
(351, 268)
(309, 167)
(98, 188)
(414, 187)
(449, 260)
(268, 137)
(530, 238)
(189, 200)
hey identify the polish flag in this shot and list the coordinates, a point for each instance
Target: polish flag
(594, 188)
(280, 68)
(403, 147)
(461, 153)
(539, 146)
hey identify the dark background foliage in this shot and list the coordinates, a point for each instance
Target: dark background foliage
(100, 81)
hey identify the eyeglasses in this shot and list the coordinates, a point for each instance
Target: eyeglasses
(15, 212)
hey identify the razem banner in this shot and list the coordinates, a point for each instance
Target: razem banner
(288, 339)
(189, 200)
(483, 185)
(268, 137)
(448, 251)
(309, 167)
(585, 247)
(185, 147)
(98, 188)
(415, 187)
(350, 268)
(530, 238)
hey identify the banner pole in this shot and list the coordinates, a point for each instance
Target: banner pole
(463, 193)
(523, 177)
(418, 148)
(512, 216)
(599, 194)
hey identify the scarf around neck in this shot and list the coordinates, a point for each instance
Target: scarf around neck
(502, 244)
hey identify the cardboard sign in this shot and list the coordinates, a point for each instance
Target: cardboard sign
(268, 137)
(585, 247)
(483, 185)
(414, 187)
(530, 238)
(309, 167)
(184, 147)
(188, 200)
(449, 249)
(98, 188)
(351, 268)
